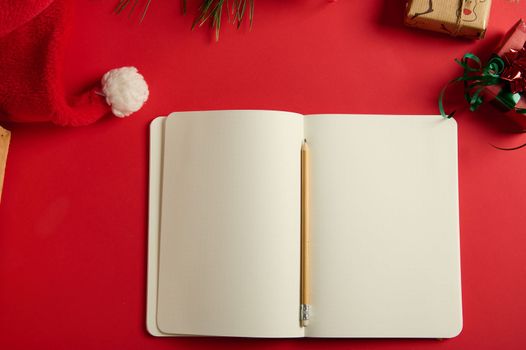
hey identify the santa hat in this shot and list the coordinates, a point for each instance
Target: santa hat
(32, 38)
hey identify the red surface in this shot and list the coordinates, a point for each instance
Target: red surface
(74, 211)
(31, 65)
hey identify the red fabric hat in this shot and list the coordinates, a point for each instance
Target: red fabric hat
(32, 38)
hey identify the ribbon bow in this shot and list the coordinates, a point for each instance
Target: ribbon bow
(509, 72)
(475, 78)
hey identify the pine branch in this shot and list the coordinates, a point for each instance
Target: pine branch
(209, 10)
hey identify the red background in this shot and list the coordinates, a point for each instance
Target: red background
(73, 217)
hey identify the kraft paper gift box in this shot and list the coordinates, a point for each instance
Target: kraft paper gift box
(464, 18)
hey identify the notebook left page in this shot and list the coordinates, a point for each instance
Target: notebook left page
(229, 244)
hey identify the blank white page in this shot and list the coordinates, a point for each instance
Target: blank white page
(385, 231)
(229, 241)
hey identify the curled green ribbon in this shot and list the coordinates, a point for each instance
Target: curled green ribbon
(475, 78)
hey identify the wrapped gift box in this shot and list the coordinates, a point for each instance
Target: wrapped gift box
(505, 96)
(464, 18)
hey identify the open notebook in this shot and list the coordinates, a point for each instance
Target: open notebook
(224, 230)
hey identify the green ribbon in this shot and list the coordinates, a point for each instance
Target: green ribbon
(475, 78)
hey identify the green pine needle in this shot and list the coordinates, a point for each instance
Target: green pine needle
(209, 10)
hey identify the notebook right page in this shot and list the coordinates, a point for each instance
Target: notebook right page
(385, 228)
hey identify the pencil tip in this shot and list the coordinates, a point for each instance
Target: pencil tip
(304, 140)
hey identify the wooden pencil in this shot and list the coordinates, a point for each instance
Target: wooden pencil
(305, 236)
(5, 137)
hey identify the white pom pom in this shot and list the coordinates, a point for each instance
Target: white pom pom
(125, 90)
